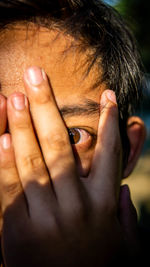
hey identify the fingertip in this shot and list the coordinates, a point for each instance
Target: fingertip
(111, 96)
(109, 123)
(5, 141)
(34, 76)
(108, 95)
(126, 203)
(124, 197)
(125, 191)
(108, 106)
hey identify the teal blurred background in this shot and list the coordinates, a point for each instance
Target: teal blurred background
(137, 15)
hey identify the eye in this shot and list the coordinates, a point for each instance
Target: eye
(79, 136)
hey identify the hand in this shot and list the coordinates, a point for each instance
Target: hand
(51, 216)
(3, 125)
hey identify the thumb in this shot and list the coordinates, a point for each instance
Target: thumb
(128, 221)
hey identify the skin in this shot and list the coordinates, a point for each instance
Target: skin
(42, 48)
(64, 200)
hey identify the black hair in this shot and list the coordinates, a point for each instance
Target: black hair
(100, 28)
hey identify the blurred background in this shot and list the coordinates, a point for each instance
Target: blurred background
(137, 15)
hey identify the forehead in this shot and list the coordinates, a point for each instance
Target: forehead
(58, 54)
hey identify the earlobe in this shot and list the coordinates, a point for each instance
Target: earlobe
(136, 132)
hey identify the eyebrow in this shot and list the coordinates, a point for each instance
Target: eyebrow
(87, 108)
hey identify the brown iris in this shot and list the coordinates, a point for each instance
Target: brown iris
(74, 135)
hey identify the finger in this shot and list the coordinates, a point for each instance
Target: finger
(30, 165)
(128, 216)
(53, 137)
(128, 221)
(14, 208)
(107, 163)
(11, 193)
(3, 114)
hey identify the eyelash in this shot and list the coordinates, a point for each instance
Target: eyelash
(77, 136)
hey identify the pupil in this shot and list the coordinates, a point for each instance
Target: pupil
(74, 136)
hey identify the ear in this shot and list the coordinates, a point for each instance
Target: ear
(136, 132)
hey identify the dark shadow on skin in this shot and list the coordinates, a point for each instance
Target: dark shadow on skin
(144, 230)
(13, 213)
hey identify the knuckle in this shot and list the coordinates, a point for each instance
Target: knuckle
(21, 125)
(33, 161)
(6, 163)
(46, 226)
(112, 110)
(42, 99)
(79, 215)
(11, 189)
(58, 141)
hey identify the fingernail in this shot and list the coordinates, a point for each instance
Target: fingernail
(19, 102)
(6, 141)
(104, 99)
(111, 96)
(108, 95)
(34, 75)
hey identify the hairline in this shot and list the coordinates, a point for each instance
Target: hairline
(74, 43)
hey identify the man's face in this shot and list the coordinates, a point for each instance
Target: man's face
(78, 103)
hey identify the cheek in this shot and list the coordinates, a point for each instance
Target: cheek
(83, 161)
